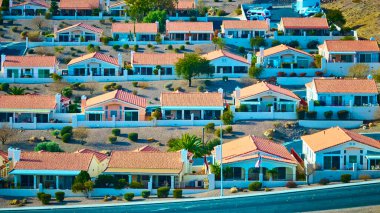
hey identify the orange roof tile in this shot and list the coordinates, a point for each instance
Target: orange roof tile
(185, 4)
(281, 48)
(222, 53)
(100, 156)
(30, 61)
(305, 23)
(117, 95)
(54, 161)
(156, 58)
(82, 4)
(82, 25)
(27, 102)
(138, 28)
(147, 148)
(3, 154)
(351, 46)
(118, 3)
(35, 2)
(212, 99)
(345, 86)
(263, 87)
(146, 160)
(242, 24)
(173, 27)
(249, 146)
(96, 55)
(336, 136)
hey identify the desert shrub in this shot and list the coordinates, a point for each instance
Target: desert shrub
(116, 132)
(45, 199)
(145, 194)
(59, 196)
(281, 74)
(136, 47)
(133, 136)
(136, 185)
(210, 127)
(168, 86)
(66, 129)
(221, 13)
(177, 193)
(182, 47)
(324, 181)
(116, 47)
(227, 117)
(238, 11)
(4, 87)
(170, 47)
(312, 115)
(125, 46)
(343, 114)
(275, 43)
(135, 84)
(292, 74)
(67, 92)
(328, 114)
(234, 190)
(302, 74)
(345, 178)
(318, 73)
(217, 132)
(66, 137)
(48, 15)
(112, 139)
(134, 92)
(163, 192)
(291, 184)
(176, 50)
(229, 129)
(200, 88)
(39, 195)
(365, 177)
(255, 186)
(312, 44)
(269, 133)
(129, 196)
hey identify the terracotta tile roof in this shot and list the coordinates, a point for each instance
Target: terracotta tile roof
(146, 160)
(30, 61)
(345, 86)
(156, 58)
(281, 48)
(118, 3)
(305, 23)
(185, 4)
(82, 25)
(96, 55)
(35, 2)
(82, 4)
(222, 53)
(351, 46)
(147, 148)
(27, 102)
(263, 87)
(249, 146)
(100, 156)
(54, 161)
(212, 99)
(173, 27)
(138, 28)
(335, 136)
(117, 95)
(243, 24)
(3, 154)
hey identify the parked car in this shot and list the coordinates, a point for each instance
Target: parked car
(255, 17)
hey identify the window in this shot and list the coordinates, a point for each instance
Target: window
(240, 69)
(131, 116)
(360, 100)
(43, 73)
(94, 117)
(79, 71)
(42, 118)
(365, 58)
(109, 72)
(331, 162)
(12, 72)
(337, 100)
(346, 58)
(352, 159)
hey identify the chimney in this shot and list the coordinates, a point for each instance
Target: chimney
(16, 155)
(120, 59)
(184, 153)
(249, 58)
(58, 102)
(132, 53)
(237, 92)
(10, 153)
(83, 103)
(2, 59)
(158, 26)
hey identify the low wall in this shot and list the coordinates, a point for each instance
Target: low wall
(264, 116)
(335, 175)
(55, 44)
(304, 40)
(270, 72)
(63, 117)
(325, 124)
(341, 69)
(356, 112)
(244, 184)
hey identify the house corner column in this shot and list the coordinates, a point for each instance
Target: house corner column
(15, 180)
(246, 174)
(294, 173)
(129, 179)
(57, 182)
(261, 176)
(172, 182)
(34, 181)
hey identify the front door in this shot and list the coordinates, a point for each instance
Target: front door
(113, 113)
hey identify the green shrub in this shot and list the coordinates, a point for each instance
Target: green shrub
(149, 45)
(255, 72)
(294, 44)
(116, 47)
(176, 50)
(66, 137)
(170, 47)
(229, 129)
(45, 199)
(135, 84)
(324, 181)
(67, 92)
(125, 46)
(48, 15)
(39, 195)
(345, 178)
(275, 43)
(129, 196)
(210, 127)
(112, 139)
(177, 193)
(133, 136)
(328, 114)
(200, 88)
(343, 114)
(136, 47)
(182, 47)
(313, 44)
(227, 117)
(136, 185)
(255, 186)
(116, 132)
(238, 11)
(4, 87)
(312, 115)
(163, 192)
(59, 196)
(120, 184)
(145, 194)
(241, 50)
(243, 108)
(217, 132)
(301, 114)
(66, 129)
(291, 184)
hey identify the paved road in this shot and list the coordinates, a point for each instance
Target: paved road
(12, 48)
(301, 201)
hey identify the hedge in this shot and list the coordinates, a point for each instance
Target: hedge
(129, 196)
(133, 136)
(255, 186)
(145, 194)
(45, 199)
(177, 193)
(116, 132)
(66, 137)
(163, 192)
(136, 185)
(345, 178)
(60, 196)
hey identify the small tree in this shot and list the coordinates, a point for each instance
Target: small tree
(82, 183)
(358, 71)
(81, 133)
(257, 42)
(53, 7)
(39, 22)
(192, 65)
(6, 133)
(227, 117)
(309, 170)
(255, 72)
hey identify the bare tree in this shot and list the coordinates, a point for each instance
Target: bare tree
(39, 22)
(359, 71)
(6, 133)
(58, 86)
(91, 87)
(81, 133)
(309, 170)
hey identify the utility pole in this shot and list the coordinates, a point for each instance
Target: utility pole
(221, 161)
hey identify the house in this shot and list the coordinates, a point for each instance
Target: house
(118, 105)
(304, 26)
(244, 29)
(340, 149)
(24, 109)
(53, 170)
(192, 105)
(356, 97)
(149, 64)
(29, 8)
(78, 33)
(117, 8)
(189, 31)
(242, 157)
(228, 64)
(102, 158)
(95, 64)
(265, 101)
(79, 8)
(28, 66)
(135, 31)
(186, 8)
(146, 148)
(153, 169)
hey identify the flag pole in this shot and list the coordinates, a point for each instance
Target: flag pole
(221, 161)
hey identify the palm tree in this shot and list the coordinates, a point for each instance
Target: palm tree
(16, 91)
(189, 142)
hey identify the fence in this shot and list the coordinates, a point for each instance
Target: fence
(335, 175)
(244, 184)
(325, 124)
(296, 81)
(265, 116)
(342, 69)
